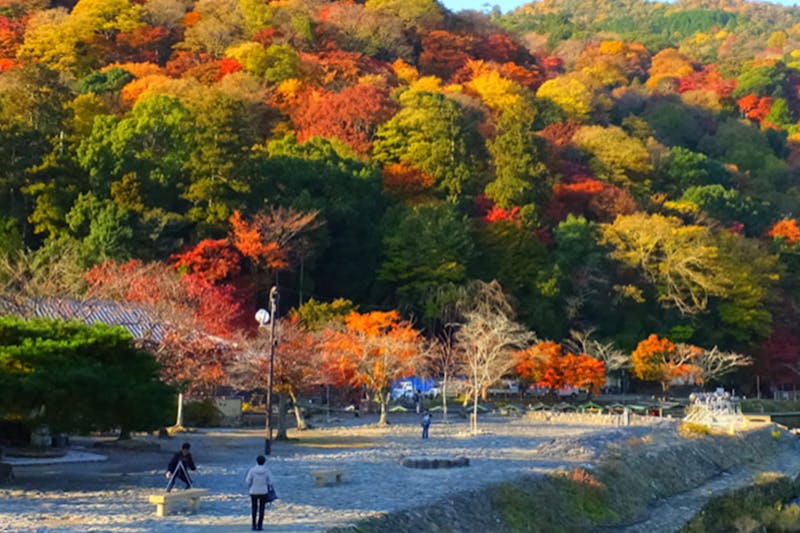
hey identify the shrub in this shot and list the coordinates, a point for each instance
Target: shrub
(693, 429)
(202, 414)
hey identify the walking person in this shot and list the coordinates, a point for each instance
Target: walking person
(258, 480)
(426, 423)
(179, 466)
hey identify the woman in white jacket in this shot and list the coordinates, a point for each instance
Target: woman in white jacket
(258, 480)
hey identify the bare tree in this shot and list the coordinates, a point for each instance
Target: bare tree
(52, 275)
(296, 368)
(582, 342)
(715, 363)
(443, 358)
(441, 354)
(487, 340)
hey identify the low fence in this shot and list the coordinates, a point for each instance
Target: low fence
(595, 419)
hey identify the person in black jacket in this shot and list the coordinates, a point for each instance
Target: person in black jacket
(179, 466)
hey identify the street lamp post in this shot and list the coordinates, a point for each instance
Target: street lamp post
(270, 317)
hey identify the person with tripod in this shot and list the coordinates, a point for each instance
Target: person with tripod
(179, 466)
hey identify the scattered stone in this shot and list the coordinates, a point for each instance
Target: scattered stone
(434, 462)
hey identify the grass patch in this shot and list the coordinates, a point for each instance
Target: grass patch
(560, 503)
(586, 496)
(760, 507)
(534, 509)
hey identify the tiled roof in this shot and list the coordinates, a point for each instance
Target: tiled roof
(130, 316)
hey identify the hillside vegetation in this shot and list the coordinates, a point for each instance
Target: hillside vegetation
(628, 168)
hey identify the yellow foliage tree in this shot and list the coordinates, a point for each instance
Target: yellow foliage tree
(407, 73)
(430, 84)
(497, 92)
(251, 55)
(681, 261)
(570, 94)
(615, 156)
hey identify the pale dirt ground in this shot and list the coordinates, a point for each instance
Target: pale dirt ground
(111, 496)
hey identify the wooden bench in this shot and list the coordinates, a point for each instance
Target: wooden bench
(166, 501)
(327, 477)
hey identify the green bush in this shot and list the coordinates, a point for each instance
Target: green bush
(78, 378)
(202, 414)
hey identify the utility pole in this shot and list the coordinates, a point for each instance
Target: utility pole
(270, 317)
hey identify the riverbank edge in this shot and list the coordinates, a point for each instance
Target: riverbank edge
(613, 491)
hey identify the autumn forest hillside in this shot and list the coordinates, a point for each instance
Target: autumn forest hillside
(623, 167)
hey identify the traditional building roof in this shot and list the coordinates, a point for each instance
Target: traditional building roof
(132, 317)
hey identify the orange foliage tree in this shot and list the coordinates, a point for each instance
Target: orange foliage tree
(406, 182)
(443, 53)
(371, 350)
(352, 115)
(546, 364)
(334, 69)
(755, 108)
(657, 359)
(708, 78)
(667, 68)
(786, 229)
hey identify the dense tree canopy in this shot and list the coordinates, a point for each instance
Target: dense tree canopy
(628, 167)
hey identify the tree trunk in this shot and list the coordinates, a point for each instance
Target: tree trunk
(179, 417)
(473, 423)
(444, 396)
(281, 418)
(327, 403)
(301, 423)
(124, 434)
(382, 399)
